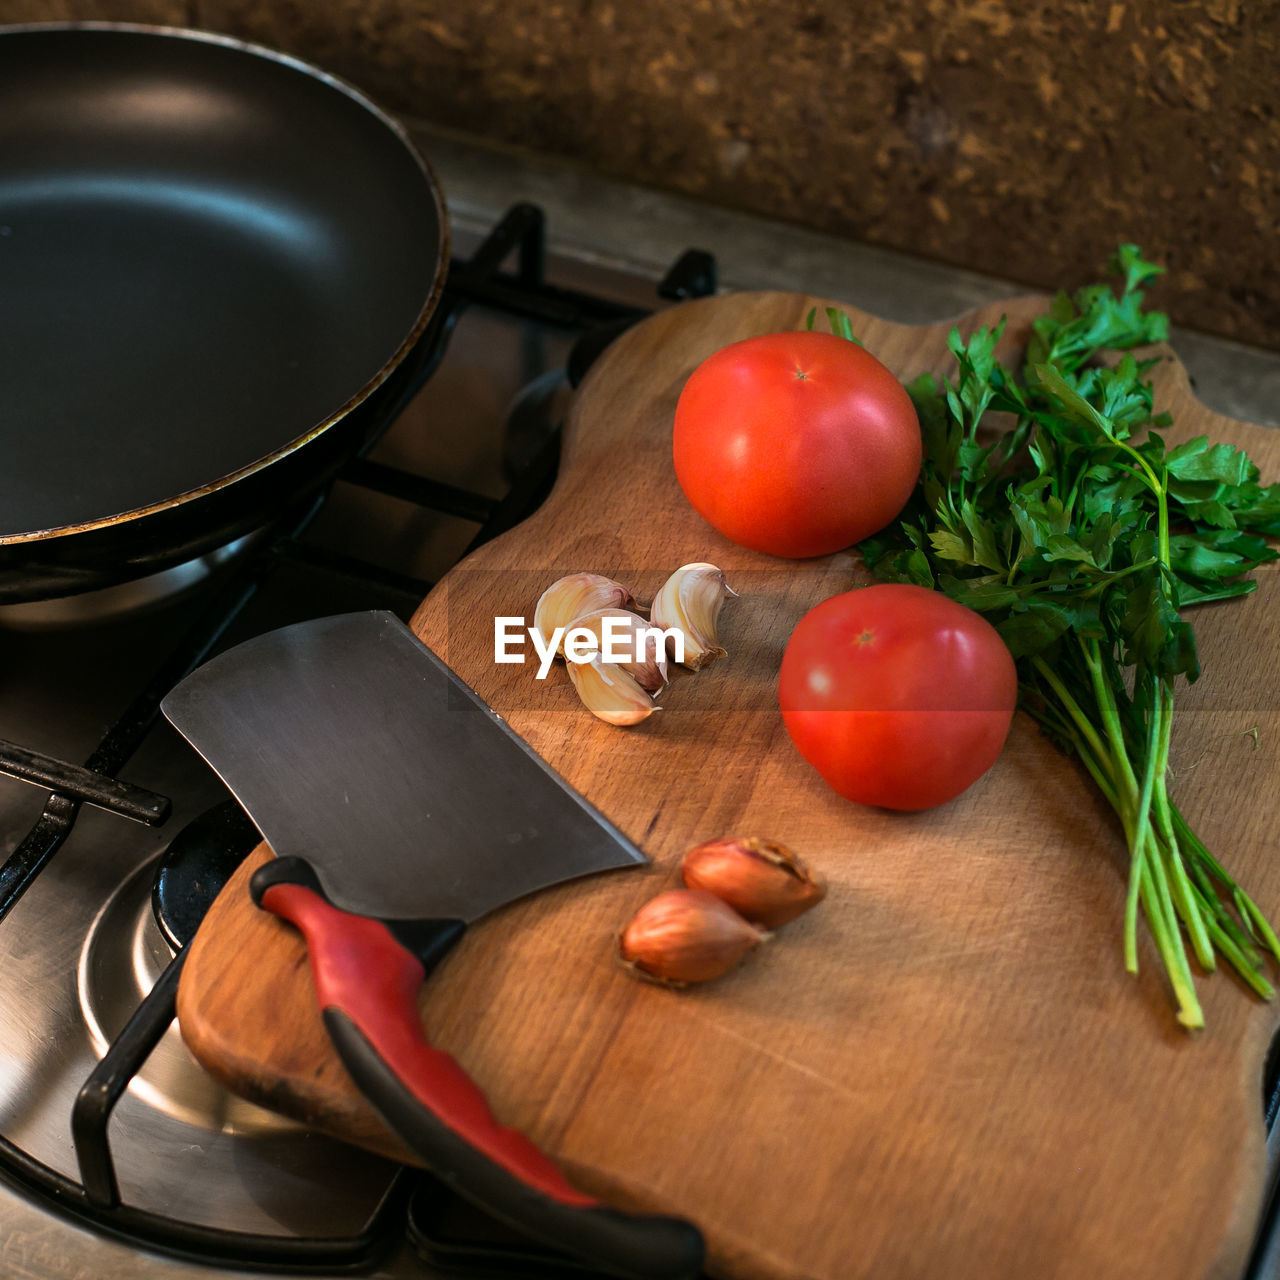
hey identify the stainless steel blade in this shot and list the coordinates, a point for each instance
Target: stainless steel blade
(350, 744)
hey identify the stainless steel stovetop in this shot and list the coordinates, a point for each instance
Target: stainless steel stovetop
(82, 948)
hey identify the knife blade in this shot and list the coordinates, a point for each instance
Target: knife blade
(351, 745)
(401, 808)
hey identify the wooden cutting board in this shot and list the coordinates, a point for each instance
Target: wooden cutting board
(943, 1071)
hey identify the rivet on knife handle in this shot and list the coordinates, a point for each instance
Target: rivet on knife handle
(367, 982)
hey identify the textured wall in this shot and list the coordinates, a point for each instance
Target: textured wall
(1018, 137)
(166, 12)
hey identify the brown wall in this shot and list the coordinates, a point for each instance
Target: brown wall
(1024, 138)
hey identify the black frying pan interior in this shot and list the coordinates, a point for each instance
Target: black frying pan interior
(206, 253)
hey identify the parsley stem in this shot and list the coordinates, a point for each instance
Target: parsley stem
(1115, 577)
(1219, 915)
(1187, 898)
(1175, 953)
(1099, 768)
(1106, 700)
(1102, 777)
(1188, 908)
(1127, 783)
(1262, 924)
(1184, 899)
(1206, 859)
(1142, 813)
(1070, 705)
(1153, 481)
(1168, 938)
(1239, 961)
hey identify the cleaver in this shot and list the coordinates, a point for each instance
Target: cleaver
(400, 808)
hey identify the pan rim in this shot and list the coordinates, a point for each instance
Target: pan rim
(392, 363)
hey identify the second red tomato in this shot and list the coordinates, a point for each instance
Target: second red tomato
(796, 444)
(898, 696)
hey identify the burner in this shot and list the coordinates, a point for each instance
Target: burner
(197, 863)
(120, 961)
(123, 598)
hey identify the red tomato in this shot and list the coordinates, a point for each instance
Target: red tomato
(798, 444)
(897, 695)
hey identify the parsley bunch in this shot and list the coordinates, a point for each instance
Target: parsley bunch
(1081, 537)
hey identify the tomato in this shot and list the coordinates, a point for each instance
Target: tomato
(797, 444)
(897, 695)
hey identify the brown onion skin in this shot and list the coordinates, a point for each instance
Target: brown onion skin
(686, 935)
(762, 880)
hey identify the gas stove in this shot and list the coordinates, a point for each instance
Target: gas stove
(107, 1120)
(118, 1155)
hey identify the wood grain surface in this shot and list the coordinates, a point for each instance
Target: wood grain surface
(943, 1071)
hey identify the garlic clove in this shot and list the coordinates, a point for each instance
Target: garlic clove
(686, 935)
(573, 596)
(629, 635)
(690, 600)
(762, 880)
(610, 692)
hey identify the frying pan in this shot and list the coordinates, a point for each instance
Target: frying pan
(217, 271)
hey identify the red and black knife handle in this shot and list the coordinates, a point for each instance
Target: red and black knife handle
(367, 975)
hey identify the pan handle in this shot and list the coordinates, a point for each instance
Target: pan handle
(367, 974)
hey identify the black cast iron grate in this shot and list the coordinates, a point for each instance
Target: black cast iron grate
(410, 1200)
